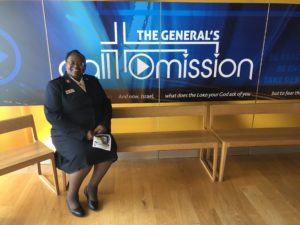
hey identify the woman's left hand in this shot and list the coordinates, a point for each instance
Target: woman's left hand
(100, 129)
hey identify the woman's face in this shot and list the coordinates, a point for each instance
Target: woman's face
(75, 65)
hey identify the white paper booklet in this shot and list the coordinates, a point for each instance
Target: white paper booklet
(102, 141)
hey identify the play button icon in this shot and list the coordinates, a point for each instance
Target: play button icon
(141, 66)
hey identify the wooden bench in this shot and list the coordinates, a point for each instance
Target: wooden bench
(168, 140)
(20, 157)
(250, 137)
(202, 140)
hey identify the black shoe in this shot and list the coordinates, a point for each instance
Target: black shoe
(93, 205)
(76, 212)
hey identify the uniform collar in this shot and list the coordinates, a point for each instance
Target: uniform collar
(80, 84)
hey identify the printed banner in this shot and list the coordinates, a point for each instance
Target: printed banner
(151, 51)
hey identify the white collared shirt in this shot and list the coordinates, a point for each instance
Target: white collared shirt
(80, 83)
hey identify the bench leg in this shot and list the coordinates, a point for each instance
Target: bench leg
(64, 179)
(215, 162)
(55, 187)
(202, 153)
(39, 168)
(210, 167)
(223, 161)
(55, 174)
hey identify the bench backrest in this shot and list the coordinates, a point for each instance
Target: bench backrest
(161, 111)
(251, 108)
(18, 123)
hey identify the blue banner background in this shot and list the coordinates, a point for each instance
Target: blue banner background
(24, 64)
(242, 51)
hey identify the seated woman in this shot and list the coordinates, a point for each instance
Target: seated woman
(78, 108)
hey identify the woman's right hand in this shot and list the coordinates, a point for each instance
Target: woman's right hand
(89, 135)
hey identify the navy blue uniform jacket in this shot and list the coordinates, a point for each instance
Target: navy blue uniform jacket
(72, 112)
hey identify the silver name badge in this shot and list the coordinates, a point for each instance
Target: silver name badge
(70, 91)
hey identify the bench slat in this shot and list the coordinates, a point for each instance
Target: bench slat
(29, 152)
(260, 136)
(158, 111)
(259, 108)
(187, 140)
(17, 124)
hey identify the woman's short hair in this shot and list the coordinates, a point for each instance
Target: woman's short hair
(75, 51)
